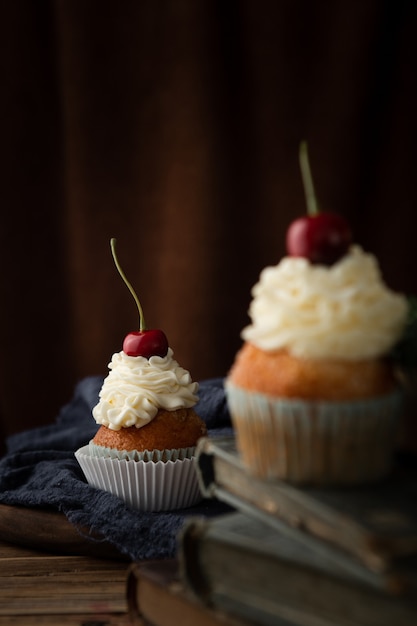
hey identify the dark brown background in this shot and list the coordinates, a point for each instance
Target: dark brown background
(174, 126)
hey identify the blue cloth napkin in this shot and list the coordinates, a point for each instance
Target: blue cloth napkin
(40, 470)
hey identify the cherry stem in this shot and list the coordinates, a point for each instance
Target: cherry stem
(142, 325)
(311, 200)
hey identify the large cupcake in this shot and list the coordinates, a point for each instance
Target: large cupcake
(143, 450)
(312, 393)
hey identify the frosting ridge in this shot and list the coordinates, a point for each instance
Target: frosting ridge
(344, 311)
(136, 387)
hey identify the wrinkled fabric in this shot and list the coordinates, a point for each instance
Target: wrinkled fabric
(40, 470)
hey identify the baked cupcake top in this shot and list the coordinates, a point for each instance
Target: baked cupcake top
(342, 311)
(137, 387)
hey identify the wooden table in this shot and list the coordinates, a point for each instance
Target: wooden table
(51, 574)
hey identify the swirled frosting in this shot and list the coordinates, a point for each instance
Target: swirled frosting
(344, 311)
(136, 388)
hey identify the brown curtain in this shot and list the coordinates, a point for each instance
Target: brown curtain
(174, 126)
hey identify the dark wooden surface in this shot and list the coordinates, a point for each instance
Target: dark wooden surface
(51, 531)
(45, 588)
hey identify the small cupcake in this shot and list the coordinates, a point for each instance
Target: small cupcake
(312, 393)
(143, 451)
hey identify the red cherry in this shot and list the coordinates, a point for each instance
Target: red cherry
(321, 238)
(146, 343)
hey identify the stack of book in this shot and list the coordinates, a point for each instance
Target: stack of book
(309, 556)
(288, 556)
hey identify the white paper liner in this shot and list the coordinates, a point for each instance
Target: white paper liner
(333, 443)
(146, 455)
(143, 485)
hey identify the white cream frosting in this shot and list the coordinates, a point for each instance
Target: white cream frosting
(136, 388)
(343, 311)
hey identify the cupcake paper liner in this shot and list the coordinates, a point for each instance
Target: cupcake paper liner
(315, 442)
(144, 485)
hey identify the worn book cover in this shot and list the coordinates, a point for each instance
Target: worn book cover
(156, 596)
(374, 523)
(246, 567)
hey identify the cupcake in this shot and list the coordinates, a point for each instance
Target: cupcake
(143, 450)
(312, 393)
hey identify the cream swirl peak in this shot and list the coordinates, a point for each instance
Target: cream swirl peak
(344, 311)
(136, 387)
